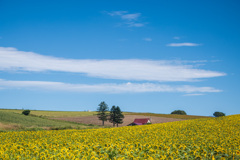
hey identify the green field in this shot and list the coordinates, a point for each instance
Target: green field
(53, 114)
(14, 120)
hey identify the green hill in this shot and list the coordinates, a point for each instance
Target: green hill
(11, 120)
(52, 114)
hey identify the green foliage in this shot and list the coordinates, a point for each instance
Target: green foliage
(218, 114)
(61, 128)
(112, 116)
(180, 112)
(102, 112)
(116, 116)
(26, 112)
(119, 116)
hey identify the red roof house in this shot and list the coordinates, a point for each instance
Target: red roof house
(141, 121)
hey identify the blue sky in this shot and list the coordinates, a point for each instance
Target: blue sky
(144, 56)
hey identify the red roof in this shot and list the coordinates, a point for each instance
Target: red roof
(142, 121)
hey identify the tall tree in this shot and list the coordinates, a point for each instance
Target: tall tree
(102, 112)
(119, 116)
(116, 116)
(112, 116)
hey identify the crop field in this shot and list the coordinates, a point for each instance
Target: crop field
(178, 116)
(52, 114)
(16, 121)
(127, 120)
(13, 119)
(64, 114)
(207, 138)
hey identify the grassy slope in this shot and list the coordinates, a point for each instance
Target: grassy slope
(12, 120)
(53, 114)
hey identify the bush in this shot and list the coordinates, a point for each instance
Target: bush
(218, 114)
(26, 112)
(61, 128)
(181, 112)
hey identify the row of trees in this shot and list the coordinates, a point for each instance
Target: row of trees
(115, 115)
(181, 112)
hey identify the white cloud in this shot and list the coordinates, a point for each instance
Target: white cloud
(131, 17)
(194, 94)
(131, 20)
(183, 44)
(176, 37)
(147, 39)
(106, 88)
(128, 69)
(117, 13)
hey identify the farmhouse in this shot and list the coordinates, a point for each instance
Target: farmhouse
(141, 121)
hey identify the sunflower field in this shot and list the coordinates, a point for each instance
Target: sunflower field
(210, 138)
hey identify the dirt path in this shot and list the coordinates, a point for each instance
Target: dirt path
(127, 120)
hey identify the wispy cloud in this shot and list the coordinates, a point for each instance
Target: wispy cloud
(131, 17)
(147, 39)
(183, 44)
(117, 13)
(128, 69)
(194, 94)
(106, 88)
(134, 24)
(176, 37)
(131, 20)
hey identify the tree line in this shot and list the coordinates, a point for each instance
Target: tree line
(114, 116)
(182, 112)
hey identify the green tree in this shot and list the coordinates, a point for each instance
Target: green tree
(181, 112)
(26, 112)
(119, 116)
(102, 112)
(112, 116)
(218, 114)
(116, 116)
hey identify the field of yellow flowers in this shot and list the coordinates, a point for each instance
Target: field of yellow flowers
(212, 138)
